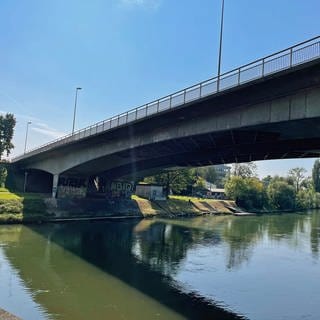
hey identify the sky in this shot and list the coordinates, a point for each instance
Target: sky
(125, 53)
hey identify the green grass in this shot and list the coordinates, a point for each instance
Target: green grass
(184, 198)
(21, 207)
(7, 195)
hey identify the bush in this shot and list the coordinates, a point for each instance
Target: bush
(307, 199)
(13, 206)
(281, 195)
(3, 176)
(248, 193)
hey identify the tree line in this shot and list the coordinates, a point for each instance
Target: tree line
(293, 192)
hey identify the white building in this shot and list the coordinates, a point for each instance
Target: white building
(150, 191)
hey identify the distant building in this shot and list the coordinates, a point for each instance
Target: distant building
(218, 193)
(150, 191)
(222, 171)
(213, 192)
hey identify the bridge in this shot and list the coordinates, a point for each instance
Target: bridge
(267, 109)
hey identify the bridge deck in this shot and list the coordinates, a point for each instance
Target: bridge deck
(283, 60)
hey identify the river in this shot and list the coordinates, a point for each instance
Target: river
(211, 267)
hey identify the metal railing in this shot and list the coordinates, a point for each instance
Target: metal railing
(284, 59)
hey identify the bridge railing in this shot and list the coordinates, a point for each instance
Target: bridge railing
(284, 59)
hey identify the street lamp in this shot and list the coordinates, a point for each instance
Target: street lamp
(75, 108)
(220, 45)
(26, 139)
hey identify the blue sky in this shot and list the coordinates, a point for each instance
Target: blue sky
(124, 53)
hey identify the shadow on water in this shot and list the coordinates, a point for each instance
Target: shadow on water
(144, 255)
(118, 251)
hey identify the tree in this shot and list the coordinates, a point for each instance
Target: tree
(267, 180)
(316, 175)
(7, 124)
(211, 174)
(307, 199)
(3, 175)
(297, 175)
(281, 195)
(175, 180)
(248, 193)
(244, 170)
(199, 185)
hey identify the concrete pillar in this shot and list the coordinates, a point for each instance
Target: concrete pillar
(55, 185)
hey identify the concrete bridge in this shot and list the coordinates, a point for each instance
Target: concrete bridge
(268, 109)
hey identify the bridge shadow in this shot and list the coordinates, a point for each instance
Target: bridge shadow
(114, 248)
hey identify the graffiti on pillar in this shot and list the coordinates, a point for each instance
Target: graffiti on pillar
(120, 189)
(72, 192)
(71, 187)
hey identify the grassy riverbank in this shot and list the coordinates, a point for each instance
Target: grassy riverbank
(33, 207)
(19, 208)
(177, 206)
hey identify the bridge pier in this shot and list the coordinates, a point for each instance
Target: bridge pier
(55, 185)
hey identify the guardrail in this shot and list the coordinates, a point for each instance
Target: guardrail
(284, 59)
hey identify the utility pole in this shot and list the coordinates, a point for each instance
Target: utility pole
(75, 109)
(26, 139)
(220, 45)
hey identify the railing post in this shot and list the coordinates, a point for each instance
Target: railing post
(170, 103)
(239, 73)
(184, 96)
(262, 67)
(200, 90)
(127, 117)
(291, 51)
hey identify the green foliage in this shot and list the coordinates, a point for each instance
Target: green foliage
(7, 124)
(316, 175)
(267, 180)
(248, 193)
(3, 175)
(297, 175)
(175, 180)
(307, 199)
(281, 195)
(244, 170)
(207, 173)
(12, 206)
(274, 193)
(199, 184)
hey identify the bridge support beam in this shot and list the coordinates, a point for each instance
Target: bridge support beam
(55, 185)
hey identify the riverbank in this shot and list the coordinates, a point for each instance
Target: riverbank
(38, 208)
(180, 206)
(18, 208)
(4, 315)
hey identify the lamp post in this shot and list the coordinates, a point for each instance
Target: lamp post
(220, 45)
(75, 108)
(26, 139)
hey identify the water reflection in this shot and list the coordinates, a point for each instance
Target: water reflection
(138, 270)
(65, 267)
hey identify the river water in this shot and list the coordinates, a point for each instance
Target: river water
(265, 267)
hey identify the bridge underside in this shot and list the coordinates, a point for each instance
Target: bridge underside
(285, 140)
(277, 117)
